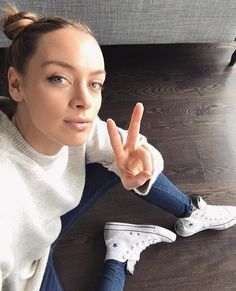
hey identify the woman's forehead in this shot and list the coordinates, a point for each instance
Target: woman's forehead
(67, 39)
(71, 46)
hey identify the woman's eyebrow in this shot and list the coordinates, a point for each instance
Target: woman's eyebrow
(59, 63)
(66, 65)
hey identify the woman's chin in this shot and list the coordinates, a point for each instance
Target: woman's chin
(75, 139)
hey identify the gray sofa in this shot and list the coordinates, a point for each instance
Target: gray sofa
(145, 21)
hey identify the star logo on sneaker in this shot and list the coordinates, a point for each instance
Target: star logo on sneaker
(115, 245)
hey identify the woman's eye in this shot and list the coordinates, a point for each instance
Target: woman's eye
(97, 86)
(57, 79)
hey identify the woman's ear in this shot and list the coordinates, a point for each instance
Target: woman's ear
(14, 84)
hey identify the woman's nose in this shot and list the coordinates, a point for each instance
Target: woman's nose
(81, 98)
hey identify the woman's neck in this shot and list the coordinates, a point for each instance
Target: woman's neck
(36, 144)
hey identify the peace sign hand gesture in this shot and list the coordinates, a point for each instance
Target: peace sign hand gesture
(134, 161)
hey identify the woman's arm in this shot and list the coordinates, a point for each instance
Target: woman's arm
(6, 255)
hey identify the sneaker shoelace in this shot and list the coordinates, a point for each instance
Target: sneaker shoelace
(136, 249)
(210, 212)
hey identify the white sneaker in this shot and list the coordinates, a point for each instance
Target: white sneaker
(204, 217)
(126, 241)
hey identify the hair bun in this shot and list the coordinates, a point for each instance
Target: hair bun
(14, 21)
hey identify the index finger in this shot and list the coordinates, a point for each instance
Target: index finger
(134, 127)
(115, 139)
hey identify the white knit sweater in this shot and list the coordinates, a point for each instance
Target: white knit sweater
(35, 191)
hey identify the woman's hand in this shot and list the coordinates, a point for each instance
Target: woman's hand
(134, 161)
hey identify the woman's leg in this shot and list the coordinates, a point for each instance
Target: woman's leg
(113, 278)
(168, 197)
(193, 212)
(99, 180)
(50, 279)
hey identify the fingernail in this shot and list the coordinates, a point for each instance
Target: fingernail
(149, 174)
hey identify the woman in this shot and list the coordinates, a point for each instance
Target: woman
(59, 158)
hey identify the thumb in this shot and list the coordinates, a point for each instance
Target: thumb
(137, 181)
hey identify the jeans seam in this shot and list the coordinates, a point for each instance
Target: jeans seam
(163, 189)
(113, 288)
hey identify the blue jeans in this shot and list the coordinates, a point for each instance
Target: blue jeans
(98, 180)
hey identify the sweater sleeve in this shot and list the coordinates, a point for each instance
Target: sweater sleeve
(99, 150)
(6, 255)
(0, 280)
(6, 261)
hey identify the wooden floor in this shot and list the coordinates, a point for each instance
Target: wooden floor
(189, 95)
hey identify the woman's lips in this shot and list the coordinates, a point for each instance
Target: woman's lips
(79, 124)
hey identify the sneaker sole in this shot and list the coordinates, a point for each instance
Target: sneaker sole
(165, 234)
(222, 226)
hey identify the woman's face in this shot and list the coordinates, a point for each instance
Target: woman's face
(60, 92)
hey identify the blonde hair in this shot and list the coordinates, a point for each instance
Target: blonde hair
(25, 28)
